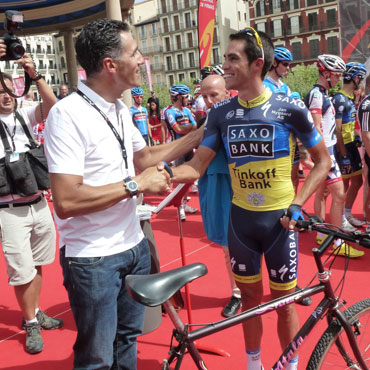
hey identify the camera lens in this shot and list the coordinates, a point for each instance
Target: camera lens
(17, 50)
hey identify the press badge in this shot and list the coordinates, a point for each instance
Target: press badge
(14, 157)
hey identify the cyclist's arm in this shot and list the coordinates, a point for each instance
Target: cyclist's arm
(317, 121)
(340, 143)
(317, 175)
(366, 141)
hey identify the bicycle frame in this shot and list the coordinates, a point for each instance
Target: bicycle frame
(187, 338)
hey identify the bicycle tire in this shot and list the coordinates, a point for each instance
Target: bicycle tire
(325, 354)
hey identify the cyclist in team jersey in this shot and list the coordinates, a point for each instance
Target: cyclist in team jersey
(279, 69)
(348, 142)
(139, 114)
(258, 129)
(364, 121)
(181, 122)
(331, 68)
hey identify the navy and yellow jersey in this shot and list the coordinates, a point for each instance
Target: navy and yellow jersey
(259, 138)
(345, 110)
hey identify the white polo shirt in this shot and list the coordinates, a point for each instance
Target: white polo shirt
(79, 142)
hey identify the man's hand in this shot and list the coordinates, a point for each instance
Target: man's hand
(27, 64)
(2, 48)
(292, 215)
(154, 180)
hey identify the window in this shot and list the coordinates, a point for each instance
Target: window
(311, 2)
(191, 60)
(60, 44)
(180, 61)
(158, 79)
(174, 4)
(297, 50)
(163, 5)
(178, 42)
(277, 28)
(276, 6)
(215, 36)
(167, 43)
(165, 25)
(216, 56)
(293, 4)
(176, 22)
(260, 8)
(48, 49)
(155, 44)
(312, 21)
(331, 17)
(153, 28)
(181, 77)
(187, 20)
(157, 61)
(239, 18)
(333, 45)
(144, 46)
(38, 49)
(294, 24)
(261, 26)
(169, 63)
(193, 75)
(63, 62)
(314, 48)
(171, 79)
(190, 40)
(142, 31)
(51, 64)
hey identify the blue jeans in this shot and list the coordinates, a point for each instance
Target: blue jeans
(108, 320)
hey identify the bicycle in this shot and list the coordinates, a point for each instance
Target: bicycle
(353, 349)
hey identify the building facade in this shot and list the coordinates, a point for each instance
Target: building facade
(306, 27)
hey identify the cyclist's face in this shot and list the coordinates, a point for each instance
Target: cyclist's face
(236, 66)
(283, 68)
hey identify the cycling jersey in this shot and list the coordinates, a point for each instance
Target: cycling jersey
(346, 111)
(276, 87)
(181, 117)
(259, 139)
(318, 102)
(364, 114)
(199, 106)
(140, 116)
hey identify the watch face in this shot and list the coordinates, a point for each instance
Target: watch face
(132, 186)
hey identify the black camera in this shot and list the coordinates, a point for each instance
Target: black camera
(14, 47)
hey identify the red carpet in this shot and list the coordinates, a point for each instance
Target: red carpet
(208, 296)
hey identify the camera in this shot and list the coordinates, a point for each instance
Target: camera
(14, 47)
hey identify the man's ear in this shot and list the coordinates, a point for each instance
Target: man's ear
(259, 63)
(109, 65)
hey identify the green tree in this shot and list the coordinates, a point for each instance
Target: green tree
(301, 78)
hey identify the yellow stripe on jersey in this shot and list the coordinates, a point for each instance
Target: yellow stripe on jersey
(266, 95)
(283, 286)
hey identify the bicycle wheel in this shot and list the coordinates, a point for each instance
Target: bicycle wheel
(326, 355)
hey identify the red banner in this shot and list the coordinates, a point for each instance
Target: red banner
(148, 74)
(206, 24)
(18, 83)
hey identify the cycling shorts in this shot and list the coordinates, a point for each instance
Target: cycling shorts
(334, 174)
(252, 234)
(355, 158)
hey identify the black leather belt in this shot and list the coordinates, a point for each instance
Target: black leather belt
(34, 201)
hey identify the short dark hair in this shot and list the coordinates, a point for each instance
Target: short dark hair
(253, 51)
(99, 39)
(7, 76)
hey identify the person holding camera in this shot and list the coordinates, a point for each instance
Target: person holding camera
(27, 228)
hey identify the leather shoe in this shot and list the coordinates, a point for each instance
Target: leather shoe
(307, 301)
(232, 307)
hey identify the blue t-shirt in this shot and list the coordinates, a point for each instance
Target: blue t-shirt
(140, 116)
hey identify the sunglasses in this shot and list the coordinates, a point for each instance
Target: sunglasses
(253, 33)
(285, 64)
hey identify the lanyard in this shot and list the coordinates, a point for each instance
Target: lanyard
(9, 133)
(116, 134)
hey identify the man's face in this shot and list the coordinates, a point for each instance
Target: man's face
(7, 103)
(129, 62)
(236, 67)
(63, 91)
(213, 93)
(283, 68)
(138, 99)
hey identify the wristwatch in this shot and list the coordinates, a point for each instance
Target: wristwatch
(38, 77)
(131, 186)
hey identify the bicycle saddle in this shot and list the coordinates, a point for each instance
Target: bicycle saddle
(152, 290)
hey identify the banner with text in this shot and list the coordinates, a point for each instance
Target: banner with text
(148, 74)
(206, 25)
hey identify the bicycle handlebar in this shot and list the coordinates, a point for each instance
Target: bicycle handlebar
(315, 223)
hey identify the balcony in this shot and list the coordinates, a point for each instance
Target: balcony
(151, 50)
(181, 5)
(174, 67)
(181, 26)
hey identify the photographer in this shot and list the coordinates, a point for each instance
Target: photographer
(27, 228)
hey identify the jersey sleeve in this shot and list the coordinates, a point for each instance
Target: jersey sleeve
(364, 115)
(339, 105)
(190, 116)
(212, 134)
(314, 101)
(304, 128)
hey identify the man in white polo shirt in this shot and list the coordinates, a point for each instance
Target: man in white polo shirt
(92, 149)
